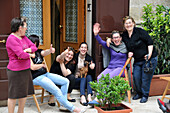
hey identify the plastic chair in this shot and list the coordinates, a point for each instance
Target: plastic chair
(37, 87)
(126, 76)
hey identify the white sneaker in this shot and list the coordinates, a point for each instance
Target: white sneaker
(81, 111)
(62, 108)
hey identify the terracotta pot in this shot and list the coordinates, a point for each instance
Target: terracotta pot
(125, 110)
(155, 84)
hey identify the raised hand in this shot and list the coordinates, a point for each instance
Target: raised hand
(96, 28)
(92, 65)
(52, 50)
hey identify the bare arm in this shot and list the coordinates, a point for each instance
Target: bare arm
(36, 66)
(48, 51)
(64, 70)
(150, 49)
(62, 55)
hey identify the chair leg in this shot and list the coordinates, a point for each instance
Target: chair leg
(42, 96)
(128, 92)
(166, 89)
(58, 103)
(129, 96)
(36, 102)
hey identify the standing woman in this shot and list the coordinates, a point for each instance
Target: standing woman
(64, 65)
(19, 49)
(140, 46)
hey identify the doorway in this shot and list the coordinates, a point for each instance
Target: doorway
(68, 24)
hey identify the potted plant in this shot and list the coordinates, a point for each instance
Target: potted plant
(156, 21)
(110, 93)
(157, 24)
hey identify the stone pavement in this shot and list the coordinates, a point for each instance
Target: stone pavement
(150, 107)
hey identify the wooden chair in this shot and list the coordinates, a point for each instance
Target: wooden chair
(37, 87)
(126, 76)
(167, 87)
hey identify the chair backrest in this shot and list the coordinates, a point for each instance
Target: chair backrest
(37, 87)
(46, 65)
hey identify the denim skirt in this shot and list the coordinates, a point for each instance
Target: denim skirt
(20, 84)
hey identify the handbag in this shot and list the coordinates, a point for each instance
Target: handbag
(148, 67)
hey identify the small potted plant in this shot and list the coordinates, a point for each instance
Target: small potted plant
(110, 93)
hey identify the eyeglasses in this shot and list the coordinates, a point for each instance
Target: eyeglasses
(116, 37)
(24, 26)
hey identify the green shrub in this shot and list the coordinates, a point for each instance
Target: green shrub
(157, 24)
(110, 90)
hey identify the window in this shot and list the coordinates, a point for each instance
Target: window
(32, 10)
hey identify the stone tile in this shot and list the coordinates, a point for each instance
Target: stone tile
(150, 107)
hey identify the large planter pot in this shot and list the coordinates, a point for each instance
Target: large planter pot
(124, 109)
(158, 84)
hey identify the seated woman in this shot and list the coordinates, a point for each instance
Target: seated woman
(81, 57)
(49, 80)
(118, 53)
(64, 65)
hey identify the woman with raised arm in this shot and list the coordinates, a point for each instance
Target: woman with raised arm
(118, 53)
(49, 80)
(64, 65)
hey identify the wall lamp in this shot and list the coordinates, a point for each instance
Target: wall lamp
(89, 7)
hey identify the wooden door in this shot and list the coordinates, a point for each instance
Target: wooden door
(109, 14)
(8, 10)
(72, 23)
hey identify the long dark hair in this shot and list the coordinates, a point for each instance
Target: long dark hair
(83, 43)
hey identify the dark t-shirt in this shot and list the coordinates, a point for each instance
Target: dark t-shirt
(55, 68)
(38, 60)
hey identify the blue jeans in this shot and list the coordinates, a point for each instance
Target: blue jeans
(84, 82)
(142, 80)
(48, 81)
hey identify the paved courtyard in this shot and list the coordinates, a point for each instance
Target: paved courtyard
(150, 107)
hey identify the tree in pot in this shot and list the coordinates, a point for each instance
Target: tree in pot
(157, 24)
(110, 90)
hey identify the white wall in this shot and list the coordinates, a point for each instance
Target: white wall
(136, 6)
(89, 27)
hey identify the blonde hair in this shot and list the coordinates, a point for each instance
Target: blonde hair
(128, 17)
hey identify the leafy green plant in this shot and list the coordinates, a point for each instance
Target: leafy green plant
(157, 24)
(110, 90)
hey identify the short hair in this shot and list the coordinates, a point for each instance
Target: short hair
(34, 39)
(83, 43)
(16, 23)
(114, 32)
(128, 17)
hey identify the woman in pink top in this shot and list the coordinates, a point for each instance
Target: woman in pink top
(19, 49)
